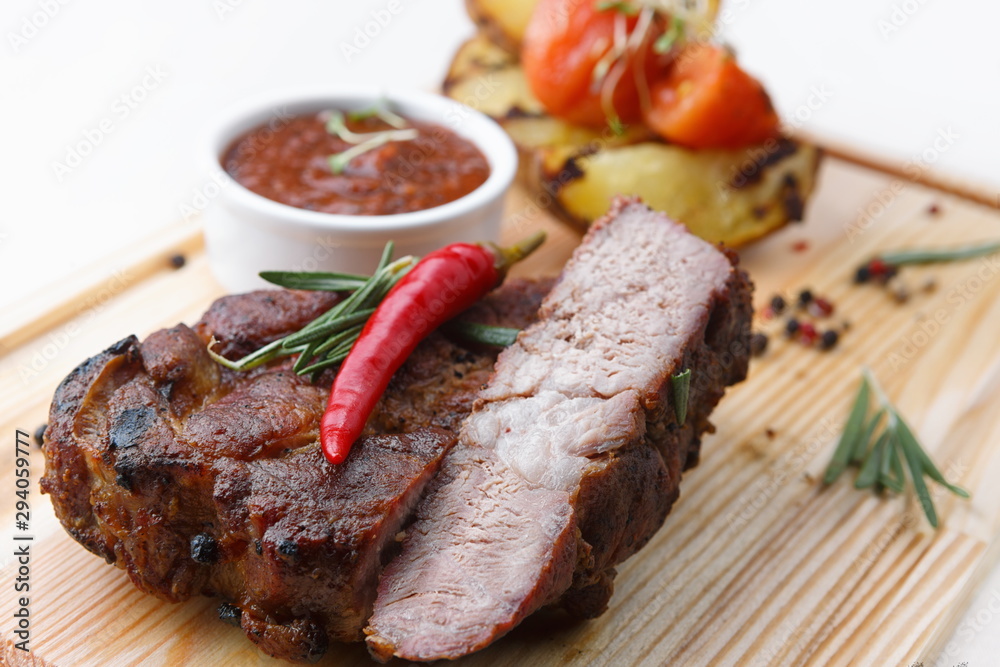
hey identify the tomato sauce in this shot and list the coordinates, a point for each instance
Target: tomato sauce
(290, 164)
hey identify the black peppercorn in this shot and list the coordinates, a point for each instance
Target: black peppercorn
(828, 339)
(778, 304)
(178, 260)
(288, 549)
(792, 327)
(862, 275)
(758, 343)
(230, 613)
(805, 296)
(204, 548)
(39, 434)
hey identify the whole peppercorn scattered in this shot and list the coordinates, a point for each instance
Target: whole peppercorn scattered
(39, 434)
(876, 270)
(178, 260)
(877, 267)
(807, 333)
(829, 339)
(758, 343)
(792, 327)
(820, 307)
(805, 297)
(778, 304)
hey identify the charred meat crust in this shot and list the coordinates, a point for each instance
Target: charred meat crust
(200, 481)
(244, 322)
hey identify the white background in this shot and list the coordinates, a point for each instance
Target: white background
(885, 75)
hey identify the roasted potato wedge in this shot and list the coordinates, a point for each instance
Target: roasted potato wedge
(728, 196)
(504, 21)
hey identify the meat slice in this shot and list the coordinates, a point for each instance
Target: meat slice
(481, 505)
(572, 456)
(200, 481)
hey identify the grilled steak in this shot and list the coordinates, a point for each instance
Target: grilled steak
(200, 481)
(572, 456)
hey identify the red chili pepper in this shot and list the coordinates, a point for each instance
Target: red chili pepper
(439, 287)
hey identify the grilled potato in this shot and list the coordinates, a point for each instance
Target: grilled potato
(504, 21)
(732, 196)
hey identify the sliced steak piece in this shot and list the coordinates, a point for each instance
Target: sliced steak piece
(200, 481)
(574, 441)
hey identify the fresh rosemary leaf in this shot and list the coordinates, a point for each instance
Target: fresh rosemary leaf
(328, 328)
(334, 343)
(317, 368)
(314, 280)
(870, 468)
(326, 340)
(386, 257)
(933, 255)
(851, 436)
(482, 333)
(681, 385)
(917, 475)
(335, 357)
(894, 478)
(861, 446)
(909, 440)
(882, 463)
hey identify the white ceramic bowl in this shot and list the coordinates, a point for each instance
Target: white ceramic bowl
(247, 233)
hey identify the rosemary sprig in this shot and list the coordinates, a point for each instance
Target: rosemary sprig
(315, 280)
(935, 255)
(681, 386)
(881, 463)
(326, 341)
(321, 343)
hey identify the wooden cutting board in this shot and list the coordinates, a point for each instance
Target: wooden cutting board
(758, 564)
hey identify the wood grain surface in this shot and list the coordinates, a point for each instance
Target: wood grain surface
(758, 564)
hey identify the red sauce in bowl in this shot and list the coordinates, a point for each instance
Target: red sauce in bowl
(290, 164)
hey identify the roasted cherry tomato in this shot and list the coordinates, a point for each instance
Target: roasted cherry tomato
(563, 46)
(705, 100)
